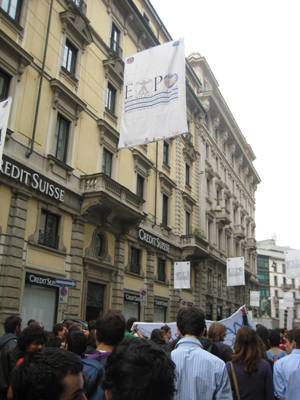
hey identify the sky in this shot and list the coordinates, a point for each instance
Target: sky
(252, 47)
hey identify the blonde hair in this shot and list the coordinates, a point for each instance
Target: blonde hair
(216, 331)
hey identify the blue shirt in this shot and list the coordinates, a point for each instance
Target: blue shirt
(199, 374)
(287, 376)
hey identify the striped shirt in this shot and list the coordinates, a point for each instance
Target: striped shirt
(199, 374)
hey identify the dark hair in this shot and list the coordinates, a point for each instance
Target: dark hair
(110, 328)
(191, 321)
(31, 334)
(290, 335)
(75, 328)
(247, 349)
(31, 321)
(139, 370)
(52, 340)
(58, 328)
(157, 336)
(42, 377)
(165, 328)
(274, 338)
(296, 337)
(263, 333)
(77, 343)
(12, 323)
(129, 323)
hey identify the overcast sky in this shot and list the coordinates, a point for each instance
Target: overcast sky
(253, 49)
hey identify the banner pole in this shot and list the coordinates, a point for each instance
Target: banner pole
(155, 191)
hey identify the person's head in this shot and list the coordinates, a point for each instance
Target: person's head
(52, 374)
(139, 370)
(289, 341)
(263, 333)
(60, 331)
(31, 321)
(191, 321)
(110, 328)
(167, 332)
(274, 338)
(32, 339)
(129, 323)
(12, 324)
(217, 332)
(157, 336)
(247, 349)
(53, 340)
(77, 343)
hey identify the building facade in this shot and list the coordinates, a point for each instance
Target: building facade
(274, 282)
(85, 227)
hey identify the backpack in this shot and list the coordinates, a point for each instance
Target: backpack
(93, 372)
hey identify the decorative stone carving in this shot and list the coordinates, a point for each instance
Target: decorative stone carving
(78, 26)
(108, 135)
(142, 165)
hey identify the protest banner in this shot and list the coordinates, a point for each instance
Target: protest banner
(292, 262)
(236, 271)
(182, 275)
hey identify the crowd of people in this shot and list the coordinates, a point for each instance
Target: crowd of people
(111, 360)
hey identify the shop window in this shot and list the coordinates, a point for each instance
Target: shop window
(161, 270)
(48, 232)
(166, 155)
(187, 223)
(135, 260)
(115, 40)
(12, 8)
(107, 162)
(94, 301)
(165, 209)
(160, 313)
(187, 175)
(140, 186)
(63, 129)
(111, 96)
(4, 85)
(70, 57)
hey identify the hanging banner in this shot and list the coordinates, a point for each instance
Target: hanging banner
(254, 298)
(182, 275)
(288, 300)
(281, 305)
(236, 271)
(232, 323)
(292, 262)
(4, 116)
(154, 98)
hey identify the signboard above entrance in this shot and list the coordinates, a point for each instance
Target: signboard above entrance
(47, 281)
(153, 241)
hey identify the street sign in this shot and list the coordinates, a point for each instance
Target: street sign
(70, 283)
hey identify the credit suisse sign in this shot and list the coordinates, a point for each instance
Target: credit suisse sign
(153, 241)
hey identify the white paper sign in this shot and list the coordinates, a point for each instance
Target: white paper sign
(4, 115)
(154, 103)
(254, 298)
(236, 271)
(281, 305)
(182, 275)
(292, 261)
(288, 300)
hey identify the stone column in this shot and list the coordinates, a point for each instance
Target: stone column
(12, 266)
(118, 277)
(76, 269)
(149, 283)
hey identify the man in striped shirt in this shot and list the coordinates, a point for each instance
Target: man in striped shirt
(199, 374)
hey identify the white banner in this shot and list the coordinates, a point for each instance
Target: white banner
(4, 115)
(232, 323)
(292, 262)
(154, 98)
(288, 300)
(254, 298)
(182, 275)
(236, 271)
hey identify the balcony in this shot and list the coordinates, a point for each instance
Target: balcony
(239, 232)
(251, 244)
(106, 201)
(194, 246)
(222, 216)
(287, 286)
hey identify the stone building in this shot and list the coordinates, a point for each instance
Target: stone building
(85, 227)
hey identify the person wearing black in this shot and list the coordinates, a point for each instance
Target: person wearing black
(8, 343)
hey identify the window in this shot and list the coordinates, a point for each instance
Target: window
(209, 230)
(135, 260)
(207, 150)
(146, 18)
(283, 269)
(70, 56)
(209, 279)
(218, 197)
(12, 8)
(161, 270)
(208, 187)
(165, 209)
(48, 232)
(219, 284)
(293, 282)
(140, 186)
(63, 128)
(111, 96)
(274, 265)
(187, 223)
(107, 162)
(4, 85)
(100, 245)
(115, 40)
(166, 158)
(220, 231)
(275, 280)
(284, 280)
(277, 312)
(187, 175)
(276, 293)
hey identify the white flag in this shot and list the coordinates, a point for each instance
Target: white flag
(292, 261)
(154, 98)
(254, 298)
(4, 115)
(236, 271)
(288, 300)
(182, 275)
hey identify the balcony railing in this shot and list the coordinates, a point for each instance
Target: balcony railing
(287, 286)
(239, 231)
